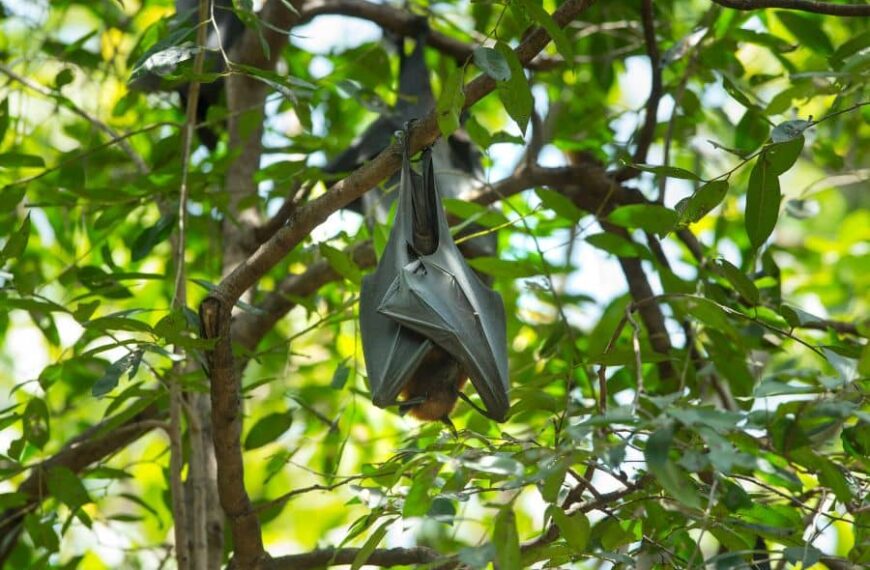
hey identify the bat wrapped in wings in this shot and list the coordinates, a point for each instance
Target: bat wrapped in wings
(428, 323)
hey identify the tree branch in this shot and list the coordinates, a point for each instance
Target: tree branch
(404, 22)
(243, 92)
(847, 10)
(370, 174)
(827, 324)
(335, 557)
(63, 102)
(216, 310)
(647, 132)
(552, 533)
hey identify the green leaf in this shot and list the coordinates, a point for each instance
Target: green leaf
(106, 324)
(718, 420)
(673, 479)
(805, 555)
(515, 93)
(542, 17)
(782, 156)
(4, 118)
(648, 217)
(618, 245)
(708, 312)
(575, 528)
(64, 77)
(450, 102)
(36, 424)
(373, 541)
(109, 380)
(480, 215)
(443, 510)
(762, 202)
(504, 268)
(19, 160)
(492, 62)
(506, 540)
(66, 487)
(552, 482)
(560, 204)
(478, 133)
(669, 171)
(41, 533)
(808, 30)
(737, 94)
(17, 242)
(853, 45)
(831, 476)
(789, 130)
(702, 202)
(267, 429)
(417, 500)
(741, 283)
(751, 131)
(340, 376)
(342, 263)
(11, 500)
(151, 236)
(10, 196)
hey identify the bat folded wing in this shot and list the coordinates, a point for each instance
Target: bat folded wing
(392, 352)
(429, 299)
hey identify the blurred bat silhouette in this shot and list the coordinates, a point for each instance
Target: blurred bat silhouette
(428, 323)
(226, 30)
(456, 158)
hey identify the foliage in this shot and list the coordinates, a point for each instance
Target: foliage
(709, 408)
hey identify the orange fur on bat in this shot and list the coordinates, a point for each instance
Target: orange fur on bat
(437, 382)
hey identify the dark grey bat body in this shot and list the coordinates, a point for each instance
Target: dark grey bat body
(424, 298)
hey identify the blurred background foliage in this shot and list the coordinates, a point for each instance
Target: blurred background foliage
(755, 445)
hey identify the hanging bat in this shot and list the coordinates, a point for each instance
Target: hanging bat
(428, 323)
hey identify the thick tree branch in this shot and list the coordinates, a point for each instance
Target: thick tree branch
(848, 10)
(343, 556)
(227, 426)
(405, 23)
(243, 92)
(827, 324)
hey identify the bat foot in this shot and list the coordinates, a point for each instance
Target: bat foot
(449, 423)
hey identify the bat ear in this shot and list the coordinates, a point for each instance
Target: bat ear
(424, 208)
